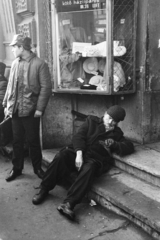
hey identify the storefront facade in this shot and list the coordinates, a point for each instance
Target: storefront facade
(100, 53)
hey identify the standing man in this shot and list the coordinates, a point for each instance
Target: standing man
(90, 155)
(27, 95)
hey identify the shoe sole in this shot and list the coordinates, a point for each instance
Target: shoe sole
(72, 218)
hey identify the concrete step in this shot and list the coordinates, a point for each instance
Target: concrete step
(130, 197)
(48, 155)
(144, 163)
(126, 195)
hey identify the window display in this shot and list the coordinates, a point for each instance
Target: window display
(85, 46)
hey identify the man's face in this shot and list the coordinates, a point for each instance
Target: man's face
(17, 51)
(108, 121)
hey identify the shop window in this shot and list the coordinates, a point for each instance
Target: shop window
(94, 44)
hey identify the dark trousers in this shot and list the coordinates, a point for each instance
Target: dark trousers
(26, 128)
(61, 167)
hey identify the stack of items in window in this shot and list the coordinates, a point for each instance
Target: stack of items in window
(84, 67)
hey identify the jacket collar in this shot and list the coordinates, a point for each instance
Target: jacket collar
(32, 55)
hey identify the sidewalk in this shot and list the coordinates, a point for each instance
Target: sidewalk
(132, 188)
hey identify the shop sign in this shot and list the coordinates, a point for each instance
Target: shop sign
(79, 5)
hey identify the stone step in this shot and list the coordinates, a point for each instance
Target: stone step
(144, 163)
(126, 195)
(48, 155)
(130, 197)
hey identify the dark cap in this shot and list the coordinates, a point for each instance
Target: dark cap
(20, 40)
(2, 68)
(117, 113)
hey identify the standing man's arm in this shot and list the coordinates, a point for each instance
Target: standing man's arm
(45, 89)
(9, 87)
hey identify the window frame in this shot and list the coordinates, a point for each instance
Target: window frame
(109, 54)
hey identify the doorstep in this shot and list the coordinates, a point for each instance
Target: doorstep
(144, 163)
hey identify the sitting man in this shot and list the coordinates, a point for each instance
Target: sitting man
(90, 155)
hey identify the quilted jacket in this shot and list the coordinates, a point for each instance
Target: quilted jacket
(3, 87)
(35, 87)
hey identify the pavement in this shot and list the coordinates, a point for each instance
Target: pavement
(132, 188)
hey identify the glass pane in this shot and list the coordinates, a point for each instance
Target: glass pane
(124, 37)
(82, 46)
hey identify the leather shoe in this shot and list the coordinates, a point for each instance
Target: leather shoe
(65, 209)
(13, 174)
(39, 197)
(40, 173)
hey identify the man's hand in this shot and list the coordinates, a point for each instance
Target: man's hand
(38, 113)
(79, 160)
(4, 105)
(5, 112)
(109, 142)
